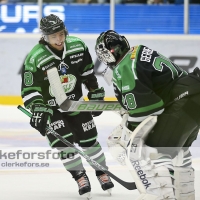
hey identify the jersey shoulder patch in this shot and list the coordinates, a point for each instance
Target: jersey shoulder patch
(133, 52)
(32, 57)
(73, 42)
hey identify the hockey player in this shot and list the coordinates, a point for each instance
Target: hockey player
(71, 57)
(147, 84)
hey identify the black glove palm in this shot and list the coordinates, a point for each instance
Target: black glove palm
(40, 116)
(96, 95)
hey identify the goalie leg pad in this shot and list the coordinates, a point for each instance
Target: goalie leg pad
(117, 152)
(184, 183)
(152, 175)
(184, 176)
(138, 137)
(121, 137)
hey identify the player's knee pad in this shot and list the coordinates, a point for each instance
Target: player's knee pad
(184, 176)
(152, 175)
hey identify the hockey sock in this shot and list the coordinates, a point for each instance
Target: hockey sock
(95, 152)
(71, 159)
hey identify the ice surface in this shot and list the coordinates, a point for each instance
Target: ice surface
(54, 182)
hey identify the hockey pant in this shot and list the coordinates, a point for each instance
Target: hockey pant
(79, 129)
(179, 124)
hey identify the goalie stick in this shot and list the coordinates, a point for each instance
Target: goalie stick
(70, 105)
(127, 185)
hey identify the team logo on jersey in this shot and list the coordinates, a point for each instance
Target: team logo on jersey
(68, 82)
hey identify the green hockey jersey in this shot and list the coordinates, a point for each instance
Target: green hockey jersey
(74, 67)
(142, 82)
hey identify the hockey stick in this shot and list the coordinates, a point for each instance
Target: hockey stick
(127, 185)
(70, 105)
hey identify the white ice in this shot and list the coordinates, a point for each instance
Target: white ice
(54, 182)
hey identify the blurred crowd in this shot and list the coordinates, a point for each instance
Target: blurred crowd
(105, 1)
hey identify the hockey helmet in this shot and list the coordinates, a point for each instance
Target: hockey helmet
(110, 47)
(52, 24)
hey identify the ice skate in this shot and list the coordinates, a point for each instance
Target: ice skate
(106, 183)
(83, 184)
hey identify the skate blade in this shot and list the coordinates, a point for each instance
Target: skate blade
(87, 195)
(109, 191)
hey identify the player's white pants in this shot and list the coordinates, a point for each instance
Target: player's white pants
(184, 176)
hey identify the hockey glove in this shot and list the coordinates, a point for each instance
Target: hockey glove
(95, 95)
(40, 115)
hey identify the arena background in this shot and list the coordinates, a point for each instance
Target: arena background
(170, 29)
(173, 29)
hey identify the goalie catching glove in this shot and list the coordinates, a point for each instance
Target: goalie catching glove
(95, 95)
(40, 115)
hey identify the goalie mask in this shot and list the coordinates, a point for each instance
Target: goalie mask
(52, 24)
(111, 47)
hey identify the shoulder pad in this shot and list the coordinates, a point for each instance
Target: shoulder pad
(36, 55)
(74, 42)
